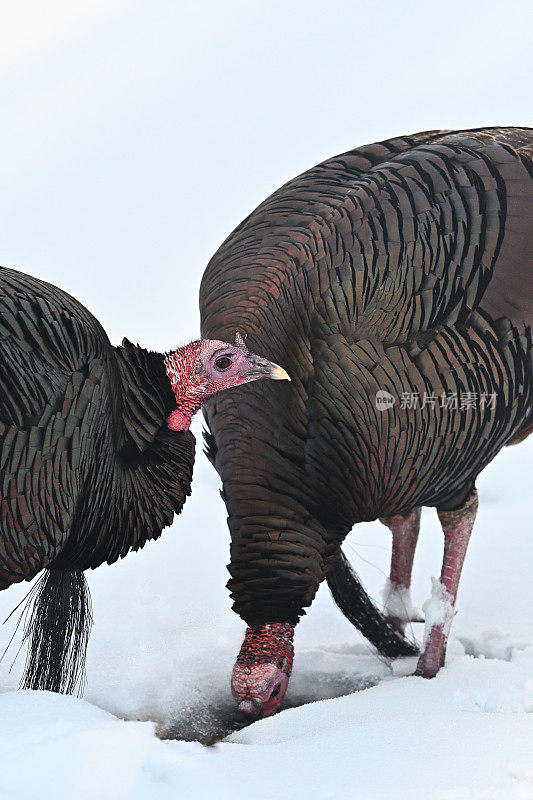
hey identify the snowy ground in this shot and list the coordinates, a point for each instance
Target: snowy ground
(164, 641)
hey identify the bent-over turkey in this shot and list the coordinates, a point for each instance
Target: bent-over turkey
(394, 282)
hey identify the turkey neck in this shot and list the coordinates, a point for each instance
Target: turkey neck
(147, 397)
(146, 494)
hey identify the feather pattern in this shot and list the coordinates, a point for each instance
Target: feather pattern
(402, 266)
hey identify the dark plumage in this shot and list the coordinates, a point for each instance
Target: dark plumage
(78, 416)
(402, 266)
(95, 453)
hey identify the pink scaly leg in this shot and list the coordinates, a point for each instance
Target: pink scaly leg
(396, 593)
(440, 608)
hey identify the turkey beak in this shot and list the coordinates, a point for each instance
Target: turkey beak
(261, 368)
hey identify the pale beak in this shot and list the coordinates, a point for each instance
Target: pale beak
(261, 368)
(279, 374)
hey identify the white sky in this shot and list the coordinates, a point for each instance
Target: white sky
(136, 135)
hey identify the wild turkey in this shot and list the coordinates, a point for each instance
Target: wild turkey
(96, 455)
(394, 282)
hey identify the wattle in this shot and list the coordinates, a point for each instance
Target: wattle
(178, 421)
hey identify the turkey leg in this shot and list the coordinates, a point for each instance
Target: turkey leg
(439, 609)
(396, 593)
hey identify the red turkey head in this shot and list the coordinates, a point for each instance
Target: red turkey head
(201, 369)
(263, 668)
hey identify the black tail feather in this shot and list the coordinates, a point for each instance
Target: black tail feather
(359, 609)
(57, 630)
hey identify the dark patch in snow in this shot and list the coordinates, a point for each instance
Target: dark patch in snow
(207, 721)
(312, 687)
(210, 720)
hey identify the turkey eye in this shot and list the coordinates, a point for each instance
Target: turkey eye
(223, 363)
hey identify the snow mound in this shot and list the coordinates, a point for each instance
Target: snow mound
(448, 739)
(492, 643)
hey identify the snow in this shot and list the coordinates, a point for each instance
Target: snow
(438, 609)
(397, 602)
(165, 639)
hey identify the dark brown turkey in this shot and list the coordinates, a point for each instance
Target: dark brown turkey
(394, 283)
(96, 455)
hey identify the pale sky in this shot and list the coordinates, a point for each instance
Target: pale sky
(136, 135)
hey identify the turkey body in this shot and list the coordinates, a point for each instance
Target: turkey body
(401, 267)
(88, 469)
